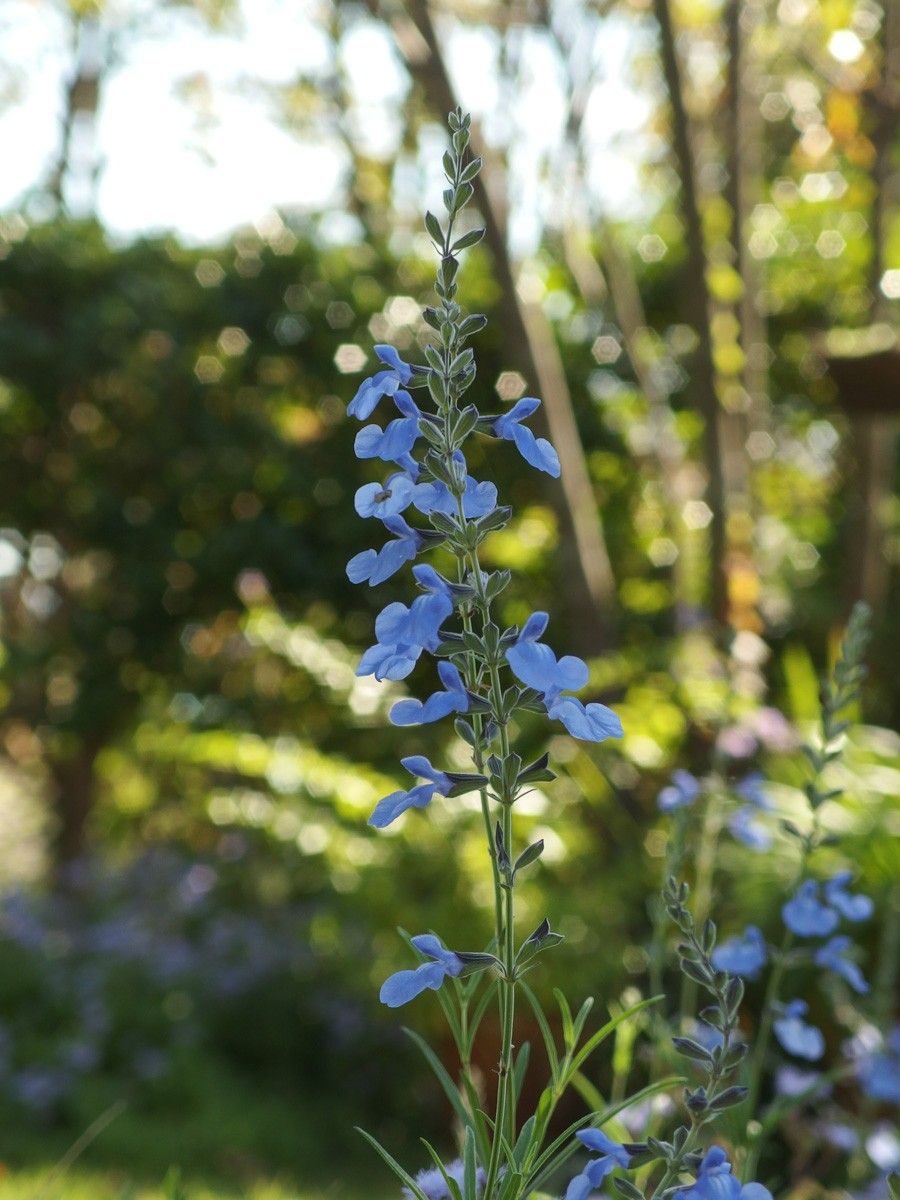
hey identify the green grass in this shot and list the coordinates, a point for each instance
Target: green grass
(227, 1139)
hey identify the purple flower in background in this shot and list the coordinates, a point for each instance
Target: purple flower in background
(831, 956)
(798, 1038)
(805, 915)
(744, 955)
(612, 1155)
(385, 499)
(682, 790)
(392, 806)
(404, 986)
(736, 741)
(375, 566)
(853, 907)
(536, 451)
(385, 383)
(716, 1182)
(433, 1184)
(455, 698)
(774, 730)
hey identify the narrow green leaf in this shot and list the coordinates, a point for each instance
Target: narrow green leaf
(602, 1034)
(450, 1089)
(521, 1066)
(402, 1175)
(470, 1167)
(566, 1014)
(546, 1033)
(452, 1185)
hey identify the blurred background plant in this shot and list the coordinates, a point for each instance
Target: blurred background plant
(693, 256)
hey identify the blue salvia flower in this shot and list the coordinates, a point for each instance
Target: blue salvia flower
(392, 444)
(716, 1182)
(681, 792)
(404, 986)
(397, 803)
(832, 957)
(805, 915)
(535, 665)
(385, 383)
(612, 1155)
(375, 566)
(536, 451)
(403, 632)
(454, 698)
(384, 500)
(745, 955)
(853, 907)
(795, 1035)
(478, 499)
(748, 829)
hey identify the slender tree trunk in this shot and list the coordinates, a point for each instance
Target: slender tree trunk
(74, 784)
(874, 435)
(589, 586)
(82, 99)
(699, 303)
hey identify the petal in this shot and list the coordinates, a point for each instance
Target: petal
(534, 627)
(571, 673)
(389, 355)
(397, 803)
(406, 985)
(450, 676)
(533, 663)
(427, 943)
(361, 565)
(538, 452)
(579, 1188)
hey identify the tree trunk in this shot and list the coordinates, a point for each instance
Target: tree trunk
(74, 785)
(589, 589)
(698, 302)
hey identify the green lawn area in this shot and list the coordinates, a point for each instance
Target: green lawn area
(83, 1184)
(231, 1141)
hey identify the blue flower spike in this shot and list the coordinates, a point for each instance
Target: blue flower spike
(385, 383)
(795, 1035)
(536, 451)
(805, 915)
(404, 986)
(745, 955)
(716, 1182)
(612, 1155)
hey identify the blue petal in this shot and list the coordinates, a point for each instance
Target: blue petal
(397, 803)
(534, 627)
(534, 663)
(591, 722)
(800, 1039)
(538, 452)
(389, 444)
(805, 916)
(406, 985)
(580, 1187)
(389, 355)
(427, 943)
(370, 392)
